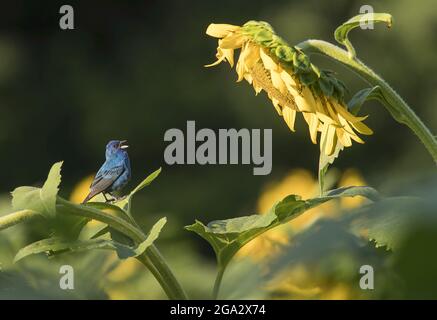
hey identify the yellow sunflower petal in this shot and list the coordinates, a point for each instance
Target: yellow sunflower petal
(277, 106)
(324, 131)
(268, 62)
(324, 118)
(328, 139)
(257, 88)
(229, 55)
(220, 30)
(277, 81)
(314, 124)
(305, 101)
(331, 140)
(346, 114)
(248, 78)
(356, 138)
(289, 116)
(241, 65)
(362, 128)
(331, 112)
(289, 82)
(233, 41)
(219, 55)
(343, 137)
(321, 105)
(215, 63)
(348, 129)
(252, 56)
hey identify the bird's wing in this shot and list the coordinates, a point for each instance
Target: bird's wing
(105, 177)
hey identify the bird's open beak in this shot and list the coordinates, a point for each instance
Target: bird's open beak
(123, 144)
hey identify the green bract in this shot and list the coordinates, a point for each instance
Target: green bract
(294, 59)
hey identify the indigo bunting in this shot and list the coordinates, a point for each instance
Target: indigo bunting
(114, 174)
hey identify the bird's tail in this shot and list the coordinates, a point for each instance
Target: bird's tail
(88, 197)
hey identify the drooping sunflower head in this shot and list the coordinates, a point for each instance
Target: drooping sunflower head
(291, 81)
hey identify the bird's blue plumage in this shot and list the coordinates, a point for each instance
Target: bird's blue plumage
(115, 173)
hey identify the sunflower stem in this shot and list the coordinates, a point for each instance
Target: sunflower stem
(217, 283)
(321, 177)
(151, 258)
(397, 107)
(155, 262)
(14, 218)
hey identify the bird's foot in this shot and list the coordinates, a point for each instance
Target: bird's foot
(111, 200)
(115, 199)
(121, 198)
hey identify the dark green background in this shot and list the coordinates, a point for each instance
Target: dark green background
(132, 70)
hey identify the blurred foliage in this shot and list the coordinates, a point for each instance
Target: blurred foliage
(319, 257)
(315, 256)
(133, 70)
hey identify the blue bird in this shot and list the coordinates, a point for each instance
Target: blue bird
(114, 174)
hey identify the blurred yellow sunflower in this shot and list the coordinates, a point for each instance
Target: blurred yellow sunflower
(300, 182)
(270, 243)
(81, 189)
(291, 81)
(301, 281)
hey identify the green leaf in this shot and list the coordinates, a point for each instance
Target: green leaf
(341, 33)
(42, 200)
(357, 101)
(125, 202)
(227, 236)
(93, 230)
(100, 232)
(111, 209)
(390, 221)
(120, 237)
(117, 211)
(146, 181)
(374, 93)
(152, 236)
(54, 246)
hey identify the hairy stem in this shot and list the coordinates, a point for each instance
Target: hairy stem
(398, 108)
(17, 217)
(151, 258)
